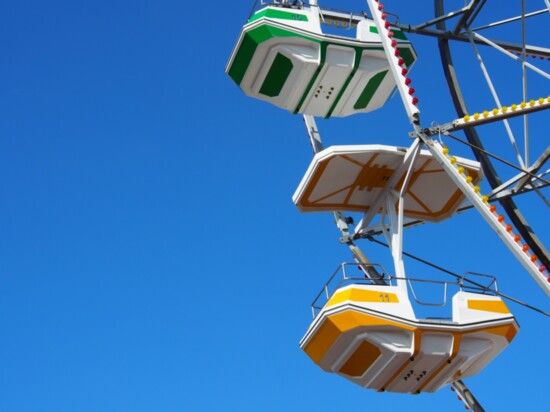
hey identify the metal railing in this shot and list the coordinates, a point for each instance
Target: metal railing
(335, 282)
(373, 274)
(349, 18)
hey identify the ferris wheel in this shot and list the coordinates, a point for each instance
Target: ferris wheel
(514, 162)
(365, 328)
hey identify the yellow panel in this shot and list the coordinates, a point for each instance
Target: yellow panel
(362, 295)
(351, 319)
(311, 184)
(497, 306)
(362, 359)
(322, 340)
(373, 177)
(337, 324)
(508, 331)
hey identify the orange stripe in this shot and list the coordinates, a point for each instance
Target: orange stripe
(497, 306)
(335, 325)
(362, 295)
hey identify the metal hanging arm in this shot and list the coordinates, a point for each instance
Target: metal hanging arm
(313, 133)
(466, 396)
(391, 197)
(409, 158)
(396, 237)
(342, 222)
(358, 255)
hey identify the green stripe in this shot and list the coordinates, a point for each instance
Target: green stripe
(406, 52)
(242, 59)
(407, 56)
(369, 90)
(277, 75)
(247, 48)
(278, 14)
(398, 34)
(358, 55)
(314, 78)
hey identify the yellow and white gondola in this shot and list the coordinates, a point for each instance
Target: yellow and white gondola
(370, 335)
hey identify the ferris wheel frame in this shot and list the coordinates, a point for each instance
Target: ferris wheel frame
(528, 178)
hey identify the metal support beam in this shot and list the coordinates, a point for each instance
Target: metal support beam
(472, 8)
(398, 70)
(339, 218)
(487, 213)
(467, 397)
(490, 116)
(398, 173)
(510, 20)
(535, 167)
(531, 50)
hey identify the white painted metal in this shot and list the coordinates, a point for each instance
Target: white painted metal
(396, 239)
(500, 114)
(411, 109)
(394, 234)
(313, 133)
(409, 156)
(397, 242)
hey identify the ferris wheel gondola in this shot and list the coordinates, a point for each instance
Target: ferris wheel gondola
(282, 57)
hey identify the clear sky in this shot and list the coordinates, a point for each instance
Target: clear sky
(151, 258)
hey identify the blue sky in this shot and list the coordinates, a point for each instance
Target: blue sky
(151, 258)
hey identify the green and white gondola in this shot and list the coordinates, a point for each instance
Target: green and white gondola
(283, 57)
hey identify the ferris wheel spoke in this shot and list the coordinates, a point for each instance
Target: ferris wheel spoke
(508, 48)
(510, 20)
(493, 178)
(441, 32)
(472, 10)
(537, 165)
(524, 83)
(543, 198)
(497, 100)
